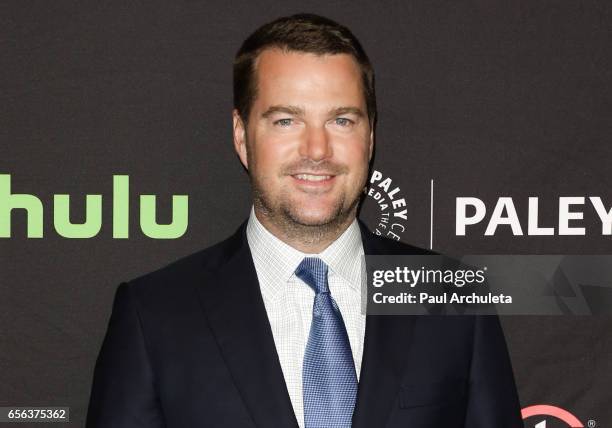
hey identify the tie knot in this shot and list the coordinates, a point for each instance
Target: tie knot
(313, 271)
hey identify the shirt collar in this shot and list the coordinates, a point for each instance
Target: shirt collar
(277, 261)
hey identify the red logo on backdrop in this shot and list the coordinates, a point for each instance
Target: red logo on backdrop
(556, 412)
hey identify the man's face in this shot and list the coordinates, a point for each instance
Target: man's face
(308, 140)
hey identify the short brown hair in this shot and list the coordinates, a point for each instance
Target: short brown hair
(302, 33)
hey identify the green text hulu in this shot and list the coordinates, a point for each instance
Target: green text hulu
(93, 213)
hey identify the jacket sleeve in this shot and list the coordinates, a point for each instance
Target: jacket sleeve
(123, 393)
(492, 395)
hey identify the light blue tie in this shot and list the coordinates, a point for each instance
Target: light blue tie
(329, 381)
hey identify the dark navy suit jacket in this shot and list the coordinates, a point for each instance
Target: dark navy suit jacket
(190, 346)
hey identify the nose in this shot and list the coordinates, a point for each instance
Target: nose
(316, 144)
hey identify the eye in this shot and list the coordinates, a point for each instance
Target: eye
(283, 122)
(343, 121)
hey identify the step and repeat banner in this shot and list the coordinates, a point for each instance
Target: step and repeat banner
(116, 158)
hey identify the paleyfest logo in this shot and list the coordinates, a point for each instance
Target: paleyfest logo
(393, 219)
(571, 209)
(542, 412)
(35, 210)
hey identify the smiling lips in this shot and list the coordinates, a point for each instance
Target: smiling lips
(313, 179)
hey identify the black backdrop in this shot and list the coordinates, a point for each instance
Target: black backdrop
(488, 99)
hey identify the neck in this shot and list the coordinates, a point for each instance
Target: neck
(305, 238)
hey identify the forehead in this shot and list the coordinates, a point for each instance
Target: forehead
(300, 78)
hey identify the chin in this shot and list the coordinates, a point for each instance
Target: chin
(308, 217)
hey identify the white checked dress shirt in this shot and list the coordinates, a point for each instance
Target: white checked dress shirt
(288, 300)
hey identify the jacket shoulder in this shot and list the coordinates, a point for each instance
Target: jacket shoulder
(188, 269)
(378, 245)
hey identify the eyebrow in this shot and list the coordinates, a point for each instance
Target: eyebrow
(347, 110)
(293, 110)
(299, 111)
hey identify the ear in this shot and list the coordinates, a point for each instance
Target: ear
(240, 138)
(371, 143)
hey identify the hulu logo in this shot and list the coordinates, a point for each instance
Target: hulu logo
(93, 213)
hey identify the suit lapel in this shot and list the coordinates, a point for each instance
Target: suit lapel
(236, 313)
(385, 353)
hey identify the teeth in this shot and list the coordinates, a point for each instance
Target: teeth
(309, 177)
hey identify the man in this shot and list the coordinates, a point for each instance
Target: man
(264, 329)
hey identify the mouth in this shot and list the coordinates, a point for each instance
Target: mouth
(313, 179)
